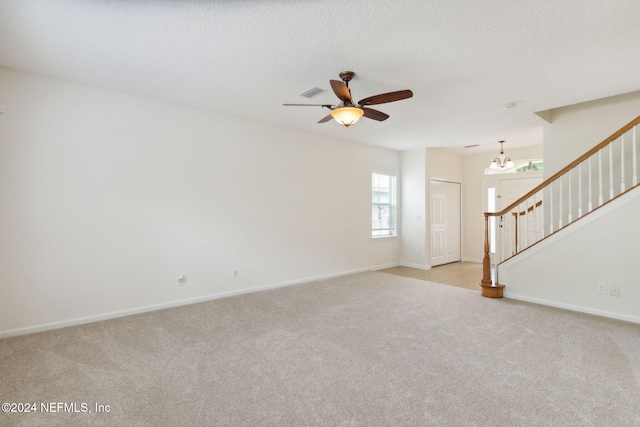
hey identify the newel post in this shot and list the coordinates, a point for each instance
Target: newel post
(489, 289)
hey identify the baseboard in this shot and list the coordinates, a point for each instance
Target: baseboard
(580, 309)
(177, 303)
(381, 267)
(420, 266)
(476, 260)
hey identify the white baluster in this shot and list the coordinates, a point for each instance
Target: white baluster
(570, 214)
(590, 204)
(507, 236)
(635, 173)
(551, 208)
(518, 231)
(579, 190)
(600, 198)
(521, 241)
(535, 231)
(512, 234)
(526, 224)
(610, 170)
(560, 206)
(542, 213)
(502, 237)
(622, 185)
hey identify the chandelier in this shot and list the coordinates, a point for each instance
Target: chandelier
(501, 161)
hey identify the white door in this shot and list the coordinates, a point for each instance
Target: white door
(510, 191)
(445, 222)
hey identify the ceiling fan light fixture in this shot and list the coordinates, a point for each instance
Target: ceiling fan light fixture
(347, 112)
(347, 116)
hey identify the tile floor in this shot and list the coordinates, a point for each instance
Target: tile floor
(462, 274)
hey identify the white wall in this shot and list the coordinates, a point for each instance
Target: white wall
(443, 165)
(107, 197)
(566, 270)
(414, 237)
(576, 129)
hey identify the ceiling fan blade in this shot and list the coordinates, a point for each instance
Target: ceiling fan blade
(342, 91)
(307, 105)
(386, 97)
(326, 119)
(370, 113)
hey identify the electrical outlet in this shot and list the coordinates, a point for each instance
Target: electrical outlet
(180, 280)
(602, 288)
(235, 274)
(615, 290)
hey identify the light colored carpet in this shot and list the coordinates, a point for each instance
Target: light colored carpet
(368, 349)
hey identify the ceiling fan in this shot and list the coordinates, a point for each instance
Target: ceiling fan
(347, 112)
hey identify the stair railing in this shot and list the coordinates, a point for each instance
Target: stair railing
(600, 175)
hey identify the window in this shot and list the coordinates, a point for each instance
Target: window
(532, 165)
(383, 204)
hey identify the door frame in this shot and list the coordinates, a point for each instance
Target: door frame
(459, 204)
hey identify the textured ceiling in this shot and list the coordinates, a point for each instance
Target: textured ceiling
(463, 59)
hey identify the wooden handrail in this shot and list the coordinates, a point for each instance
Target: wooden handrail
(570, 166)
(494, 290)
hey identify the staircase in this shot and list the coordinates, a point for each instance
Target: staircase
(587, 185)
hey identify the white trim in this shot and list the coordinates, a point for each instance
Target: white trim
(382, 267)
(383, 172)
(609, 314)
(391, 236)
(445, 180)
(476, 260)
(419, 266)
(177, 303)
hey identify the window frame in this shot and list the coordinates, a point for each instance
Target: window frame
(392, 229)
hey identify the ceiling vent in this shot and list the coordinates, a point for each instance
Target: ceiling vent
(312, 92)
